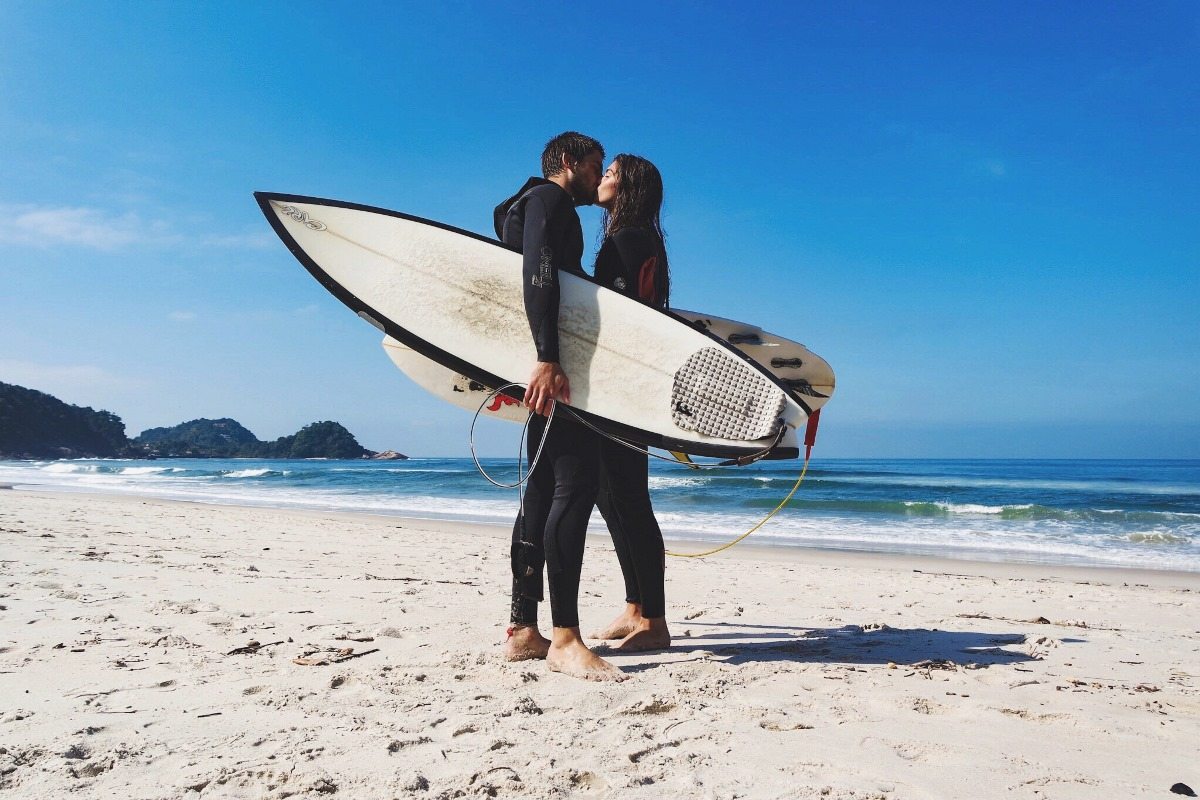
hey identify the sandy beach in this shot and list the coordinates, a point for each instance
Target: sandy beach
(157, 649)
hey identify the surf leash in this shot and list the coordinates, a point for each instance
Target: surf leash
(761, 522)
(521, 481)
(809, 440)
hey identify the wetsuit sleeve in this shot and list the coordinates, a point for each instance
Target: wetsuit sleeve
(639, 263)
(540, 276)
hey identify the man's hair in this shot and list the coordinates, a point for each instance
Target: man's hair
(570, 144)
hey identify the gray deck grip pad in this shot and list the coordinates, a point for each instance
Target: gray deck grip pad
(719, 395)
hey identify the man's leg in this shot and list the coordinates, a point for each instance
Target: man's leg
(528, 557)
(576, 467)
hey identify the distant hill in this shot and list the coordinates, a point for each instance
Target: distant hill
(34, 424)
(209, 438)
(226, 438)
(318, 440)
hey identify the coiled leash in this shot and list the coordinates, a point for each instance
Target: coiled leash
(809, 440)
(521, 481)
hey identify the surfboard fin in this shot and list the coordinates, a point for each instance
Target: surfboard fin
(683, 458)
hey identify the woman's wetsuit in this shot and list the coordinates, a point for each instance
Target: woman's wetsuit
(630, 262)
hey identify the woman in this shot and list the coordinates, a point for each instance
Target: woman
(633, 260)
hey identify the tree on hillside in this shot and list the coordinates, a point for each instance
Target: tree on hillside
(37, 425)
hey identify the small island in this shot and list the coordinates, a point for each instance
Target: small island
(36, 425)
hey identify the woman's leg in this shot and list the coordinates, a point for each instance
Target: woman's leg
(625, 622)
(627, 473)
(616, 526)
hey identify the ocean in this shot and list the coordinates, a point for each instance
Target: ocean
(1142, 514)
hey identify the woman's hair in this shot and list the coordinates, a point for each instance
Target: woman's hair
(637, 205)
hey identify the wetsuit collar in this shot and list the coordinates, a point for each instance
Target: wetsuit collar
(502, 210)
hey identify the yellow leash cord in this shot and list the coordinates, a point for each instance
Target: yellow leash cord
(761, 522)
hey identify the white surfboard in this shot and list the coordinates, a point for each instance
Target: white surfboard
(793, 363)
(456, 297)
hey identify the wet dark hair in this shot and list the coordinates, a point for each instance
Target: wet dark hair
(638, 204)
(570, 144)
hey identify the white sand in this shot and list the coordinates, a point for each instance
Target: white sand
(118, 617)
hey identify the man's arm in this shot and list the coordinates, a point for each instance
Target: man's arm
(547, 383)
(540, 276)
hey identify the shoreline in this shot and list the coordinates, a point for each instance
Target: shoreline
(153, 649)
(917, 562)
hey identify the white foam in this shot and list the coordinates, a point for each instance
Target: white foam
(660, 482)
(976, 508)
(65, 468)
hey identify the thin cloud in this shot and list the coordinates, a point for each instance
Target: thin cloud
(183, 316)
(79, 226)
(63, 379)
(994, 167)
(98, 229)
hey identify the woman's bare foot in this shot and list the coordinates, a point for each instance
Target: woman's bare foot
(625, 624)
(525, 642)
(649, 634)
(570, 656)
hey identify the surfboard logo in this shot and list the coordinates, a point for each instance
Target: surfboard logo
(545, 276)
(498, 402)
(303, 217)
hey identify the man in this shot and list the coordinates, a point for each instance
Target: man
(541, 223)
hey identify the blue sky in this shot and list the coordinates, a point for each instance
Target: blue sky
(985, 216)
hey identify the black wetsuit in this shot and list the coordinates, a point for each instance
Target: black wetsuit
(629, 262)
(541, 223)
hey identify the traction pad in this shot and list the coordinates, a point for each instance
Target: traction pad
(718, 395)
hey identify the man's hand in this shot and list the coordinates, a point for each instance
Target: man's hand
(547, 383)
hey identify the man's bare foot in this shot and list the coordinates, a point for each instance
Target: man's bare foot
(570, 656)
(525, 642)
(625, 624)
(650, 634)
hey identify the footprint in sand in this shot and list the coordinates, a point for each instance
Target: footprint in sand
(924, 706)
(586, 781)
(1029, 715)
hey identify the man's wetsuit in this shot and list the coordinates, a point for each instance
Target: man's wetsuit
(541, 223)
(630, 262)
